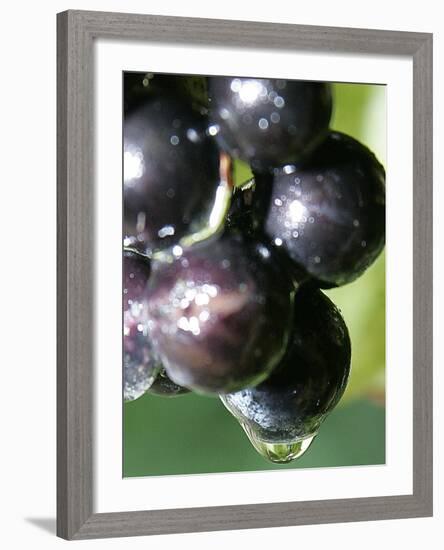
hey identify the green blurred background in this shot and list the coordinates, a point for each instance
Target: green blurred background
(194, 434)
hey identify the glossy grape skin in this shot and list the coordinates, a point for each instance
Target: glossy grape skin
(172, 172)
(328, 215)
(140, 366)
(220, 314)
(163, 386)
(307, 384)
(269, 122)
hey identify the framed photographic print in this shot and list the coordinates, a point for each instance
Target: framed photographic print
(244, 275)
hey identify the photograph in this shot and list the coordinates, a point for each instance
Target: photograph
(244, 274)
(253, 278)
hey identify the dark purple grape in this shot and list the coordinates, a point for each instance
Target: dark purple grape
(140, 86)
(220, 314)
(328, 215)
(172, 175)
(140, 367)
(163, 386)
(290, 405)
(269, 122)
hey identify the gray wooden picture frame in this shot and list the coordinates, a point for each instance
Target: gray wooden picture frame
(76, 32)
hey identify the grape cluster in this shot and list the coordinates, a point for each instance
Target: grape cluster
(221, 281)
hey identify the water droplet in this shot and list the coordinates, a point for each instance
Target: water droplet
(236, 85)
(192, 135)
(133, 167)
(356, 223)
(213, 130)
(140, 223)
(204, 315)
(263, 251)
(250, 91)
(281, 452)
(279, 102)
(174, 140)
(275, 117)
(289, 169)
(263, 123)
(166, 231)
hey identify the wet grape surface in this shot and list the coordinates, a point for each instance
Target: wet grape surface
(221, 286)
